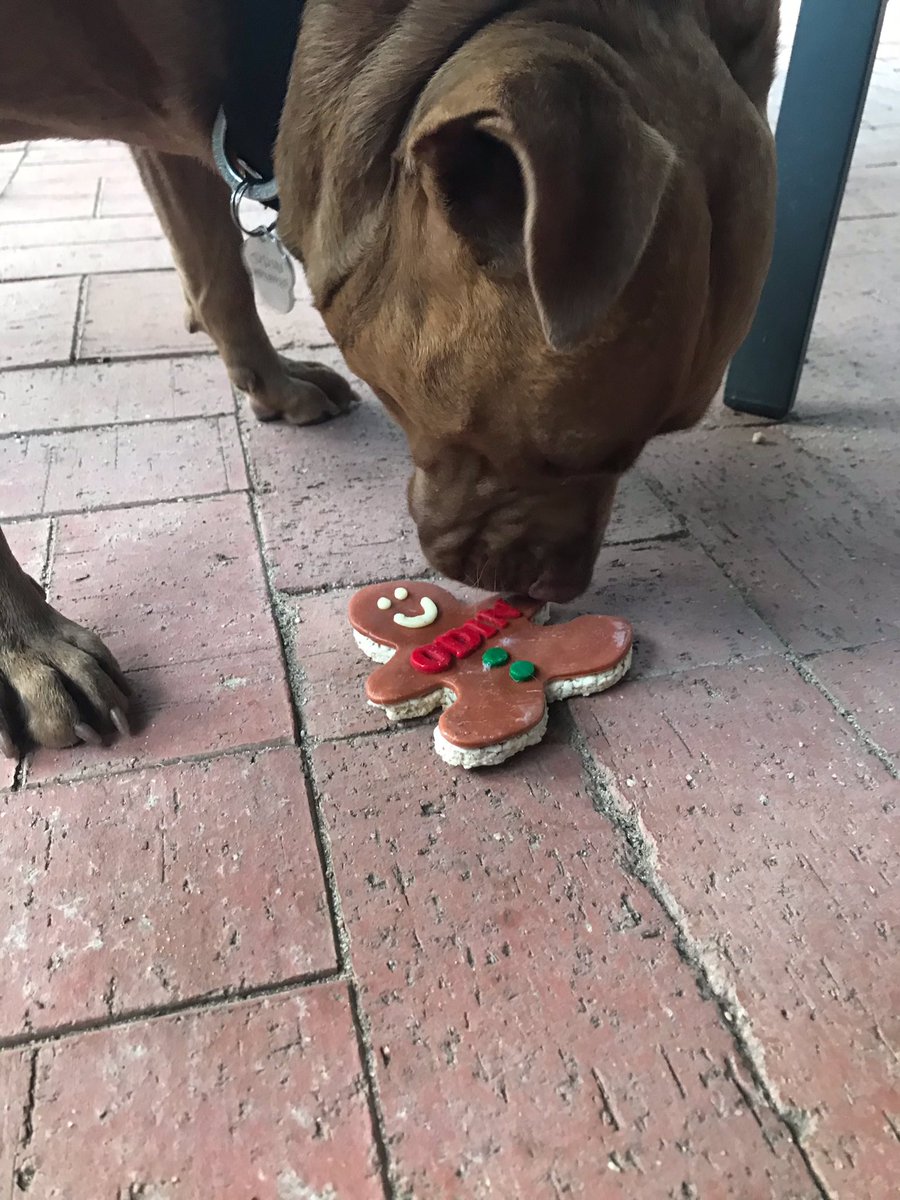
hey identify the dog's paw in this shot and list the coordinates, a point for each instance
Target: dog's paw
(302, 393)
(59, 684)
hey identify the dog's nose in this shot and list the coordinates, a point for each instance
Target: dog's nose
(557, 587)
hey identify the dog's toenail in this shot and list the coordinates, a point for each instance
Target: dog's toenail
(85, 734)
(120, 721)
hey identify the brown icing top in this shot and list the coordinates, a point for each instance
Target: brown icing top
(490, 706)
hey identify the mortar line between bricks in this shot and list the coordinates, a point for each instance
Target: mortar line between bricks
(342, 939)
(59, 220)
(58, 276)
(293, 674)
(112, 426)
(177, 353)
(865, 739)
(56, 244)
(888, 216)
(49, 552)
(641, 862)
(392, 1188)
(873, 747)
(77, 331)
(135, 766)
(191, 1006)
(124, 506)
(23, 155)
(282, 621)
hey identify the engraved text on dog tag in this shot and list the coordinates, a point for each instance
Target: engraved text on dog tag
(271, 270)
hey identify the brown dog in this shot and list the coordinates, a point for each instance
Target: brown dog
(538, 229)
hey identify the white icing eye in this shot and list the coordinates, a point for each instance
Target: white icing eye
(384, 603)
(401, 594)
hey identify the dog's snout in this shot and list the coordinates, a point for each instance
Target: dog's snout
(541, 543)
(516, 571)
(557, 588)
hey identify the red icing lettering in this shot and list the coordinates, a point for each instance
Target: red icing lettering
(504, 611)
(461, 642)
(431, 659)
(484, 623)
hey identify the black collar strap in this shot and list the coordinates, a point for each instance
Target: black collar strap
(263, 38)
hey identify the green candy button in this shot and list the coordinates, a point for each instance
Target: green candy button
(523, 671)
(495, 657)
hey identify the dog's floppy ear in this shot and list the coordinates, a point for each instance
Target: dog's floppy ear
(551, 168)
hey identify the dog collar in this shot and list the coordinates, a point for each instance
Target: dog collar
(262, 39)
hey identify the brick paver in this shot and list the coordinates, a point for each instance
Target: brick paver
(37, 321)
(28, 540)
(774, 832)
(17, 209)
(71, 232)
(148, 254)
(109, 329)
(332, 500)
(177, 590)
(155, 887)
(684, 611)
(256, 1102)
(94, 468)
(866, 681)
(815, 555)
(112, 393)
(10, 161)
(535, 1032)
(638, 515)
(14, 1080)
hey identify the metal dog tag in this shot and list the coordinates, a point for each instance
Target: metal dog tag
(271, 270)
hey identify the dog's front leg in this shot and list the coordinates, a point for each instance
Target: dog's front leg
(191, 202)
(58, 682)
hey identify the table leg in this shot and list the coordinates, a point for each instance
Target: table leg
(824, 97)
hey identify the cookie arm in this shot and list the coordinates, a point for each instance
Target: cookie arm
(588, 645)
(397, 683)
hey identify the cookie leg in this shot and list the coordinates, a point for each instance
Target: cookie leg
(489, 756)
(484, 727)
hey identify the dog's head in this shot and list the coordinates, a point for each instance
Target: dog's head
(526, 289)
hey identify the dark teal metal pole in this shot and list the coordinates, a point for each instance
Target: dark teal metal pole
(824, 96)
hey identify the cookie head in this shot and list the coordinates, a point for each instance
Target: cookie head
(404, 613)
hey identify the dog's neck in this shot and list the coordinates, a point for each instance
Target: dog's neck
(262, 40)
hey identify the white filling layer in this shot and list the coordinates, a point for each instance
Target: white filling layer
(373, 649)
(489, 756)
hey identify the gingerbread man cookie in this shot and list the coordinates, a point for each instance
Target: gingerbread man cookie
(490, 666)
